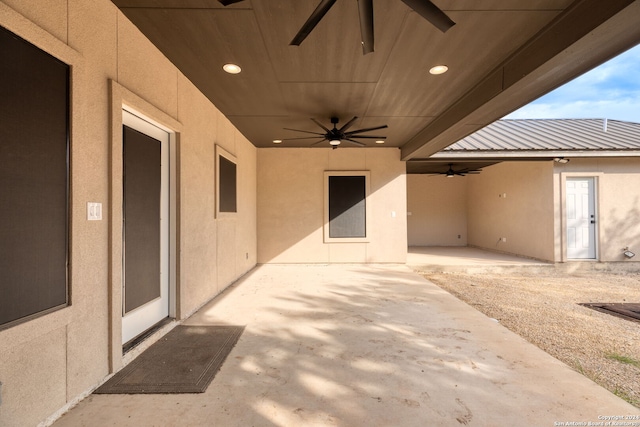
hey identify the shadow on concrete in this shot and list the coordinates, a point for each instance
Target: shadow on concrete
(356, 345)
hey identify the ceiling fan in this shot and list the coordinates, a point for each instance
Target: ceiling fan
(335, 136)
(424, 8)
(450, 173)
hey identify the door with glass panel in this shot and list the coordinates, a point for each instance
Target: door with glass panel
(145, 240)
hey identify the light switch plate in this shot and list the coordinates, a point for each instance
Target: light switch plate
(94, 211)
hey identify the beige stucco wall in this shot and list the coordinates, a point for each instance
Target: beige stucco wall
(531, 216)
(514, 200)
(617, 182)
(51, 360)
(437, 210)
(291, 205)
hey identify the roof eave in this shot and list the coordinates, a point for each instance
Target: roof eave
(533, 154)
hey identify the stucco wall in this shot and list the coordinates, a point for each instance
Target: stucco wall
(514, 200)
(436, 210)
(531, 216)
(291, 205)
(617, 203)
(51, 360)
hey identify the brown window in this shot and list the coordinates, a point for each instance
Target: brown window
(34, 147)
(227, 177)
(346, 206)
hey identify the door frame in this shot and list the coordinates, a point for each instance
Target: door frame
(563, 215)
(123, 99)
(139, 318)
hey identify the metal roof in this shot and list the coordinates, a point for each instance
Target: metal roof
(551, 135)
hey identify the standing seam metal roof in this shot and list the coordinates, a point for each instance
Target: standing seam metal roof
(551, 135)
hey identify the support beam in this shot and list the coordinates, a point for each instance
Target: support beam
(584, 36)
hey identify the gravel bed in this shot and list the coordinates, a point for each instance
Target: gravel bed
(544, 309)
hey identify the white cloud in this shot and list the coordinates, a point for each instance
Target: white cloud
(610, 91)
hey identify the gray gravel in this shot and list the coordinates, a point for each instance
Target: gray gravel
(544, 310)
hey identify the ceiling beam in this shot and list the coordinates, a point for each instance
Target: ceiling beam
(586, 34)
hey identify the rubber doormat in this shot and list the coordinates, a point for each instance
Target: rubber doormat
(183, 361)
(625, 310)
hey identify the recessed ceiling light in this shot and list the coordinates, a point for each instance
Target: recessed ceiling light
(277, 141)
(232, 68)
(380, 141)
(439, 69)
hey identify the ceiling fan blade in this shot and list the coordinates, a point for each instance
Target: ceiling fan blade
(431, 13)
(365, 11)
(301, 137)
(316, 143)
(348, 124)
(304, 131)
(313, 20)
(356, 142)
(228, 2)
(367, 137)
(321, 125)
(365, 130)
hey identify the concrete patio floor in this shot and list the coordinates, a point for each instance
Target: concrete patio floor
(362, 345)
(469, 260)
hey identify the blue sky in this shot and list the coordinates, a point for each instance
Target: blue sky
(610, 91)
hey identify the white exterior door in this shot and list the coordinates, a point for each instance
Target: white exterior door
(145, 226)
(581, 218)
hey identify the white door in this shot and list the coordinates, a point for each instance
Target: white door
(581, 218)
(145, 239)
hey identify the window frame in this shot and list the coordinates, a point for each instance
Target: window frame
(221, 152)
(367, 211)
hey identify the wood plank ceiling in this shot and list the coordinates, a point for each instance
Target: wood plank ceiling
(501, 54)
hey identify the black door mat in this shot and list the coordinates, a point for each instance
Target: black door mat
(183, 361)
(624, 310)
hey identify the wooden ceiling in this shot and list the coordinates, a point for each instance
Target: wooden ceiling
(501, 55)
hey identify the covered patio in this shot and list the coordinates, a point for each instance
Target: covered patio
(351, 344)
(177, 193)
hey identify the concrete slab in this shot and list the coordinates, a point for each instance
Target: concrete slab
(469, 260)
(362, 345)
(466, 259)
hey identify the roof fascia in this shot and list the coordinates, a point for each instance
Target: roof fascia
(538, 155)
